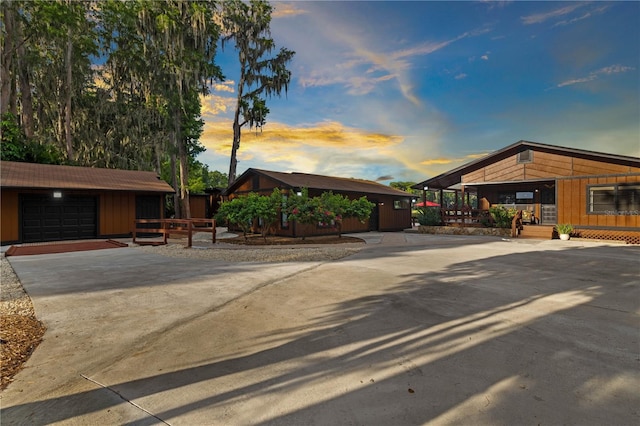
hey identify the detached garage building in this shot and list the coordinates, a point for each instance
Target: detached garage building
(42, 202)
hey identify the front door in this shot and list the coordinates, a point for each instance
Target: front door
(548, 210)
(148, 207)
(374, 218)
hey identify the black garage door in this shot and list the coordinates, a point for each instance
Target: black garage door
(50, 219)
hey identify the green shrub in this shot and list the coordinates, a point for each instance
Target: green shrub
(564, 228)
(502, 216)
(429, 216)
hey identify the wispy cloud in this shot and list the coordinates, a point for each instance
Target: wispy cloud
(613, 69)
(540, 18)
(585, 15)
(380, 66)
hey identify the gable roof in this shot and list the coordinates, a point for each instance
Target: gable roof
(48, 176)
(454, 176)
(328, 183)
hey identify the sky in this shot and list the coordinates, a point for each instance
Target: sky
(403, 91)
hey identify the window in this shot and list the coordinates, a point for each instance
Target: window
(400, 204)
(614, 199)
(525, 156)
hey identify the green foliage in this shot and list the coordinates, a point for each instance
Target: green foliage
(267, 210)
(564, 228)
(13, 146)
(502, 216)
(253, 208)
(360, 209)
(328, 210)
(16, 147)
(304, 209)
(429, 216)
(236, 212)
(217, 179)
(406, 187)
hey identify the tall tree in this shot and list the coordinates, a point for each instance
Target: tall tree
(248, 25)
(181, 43)
(46, 67)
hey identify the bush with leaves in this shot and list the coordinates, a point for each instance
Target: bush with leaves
(267, 210)
(360, 209)
(429, 216)
(328, 209)
(236, 212)
(245, 211)
(502, 216)
(304, 209)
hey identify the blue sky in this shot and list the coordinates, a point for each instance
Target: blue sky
(389, 90)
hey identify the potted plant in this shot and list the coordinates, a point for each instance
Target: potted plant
(564, 230)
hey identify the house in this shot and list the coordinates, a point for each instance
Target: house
(42, 202)
(598, 193)
(392, 211)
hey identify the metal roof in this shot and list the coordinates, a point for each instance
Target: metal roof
(328, 183)
(48, 176)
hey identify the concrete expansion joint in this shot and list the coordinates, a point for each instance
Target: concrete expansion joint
(124, 398)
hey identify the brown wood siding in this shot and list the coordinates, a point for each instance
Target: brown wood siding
(391, 219)
(198, 206)
(505, 170)
(475, 176)
(545, 165)
(576, 212)
(9, 224)
(589, 167)
(116, 213)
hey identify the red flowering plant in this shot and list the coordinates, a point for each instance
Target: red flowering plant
(328, 210)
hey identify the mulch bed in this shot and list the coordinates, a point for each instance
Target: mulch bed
(257, 240)
(26, 250)
(19, 337)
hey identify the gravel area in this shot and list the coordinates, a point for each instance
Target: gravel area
(234, 253)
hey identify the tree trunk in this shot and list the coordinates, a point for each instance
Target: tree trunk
(67, 112)
(25, 89)
(174, 184)
(234, 151)
(233, 164)
(8, 21)
(184, 180)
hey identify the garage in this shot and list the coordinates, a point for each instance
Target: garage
(47, 202)
(45, 218)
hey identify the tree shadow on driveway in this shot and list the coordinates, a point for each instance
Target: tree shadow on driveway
(544, 336)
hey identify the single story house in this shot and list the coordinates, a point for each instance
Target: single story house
(42, 202)
(392, 211)
(598, 193)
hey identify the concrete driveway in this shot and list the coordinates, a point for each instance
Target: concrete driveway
(413, 329)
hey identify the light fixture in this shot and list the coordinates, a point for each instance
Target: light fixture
(425, 188)
(57, 194)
